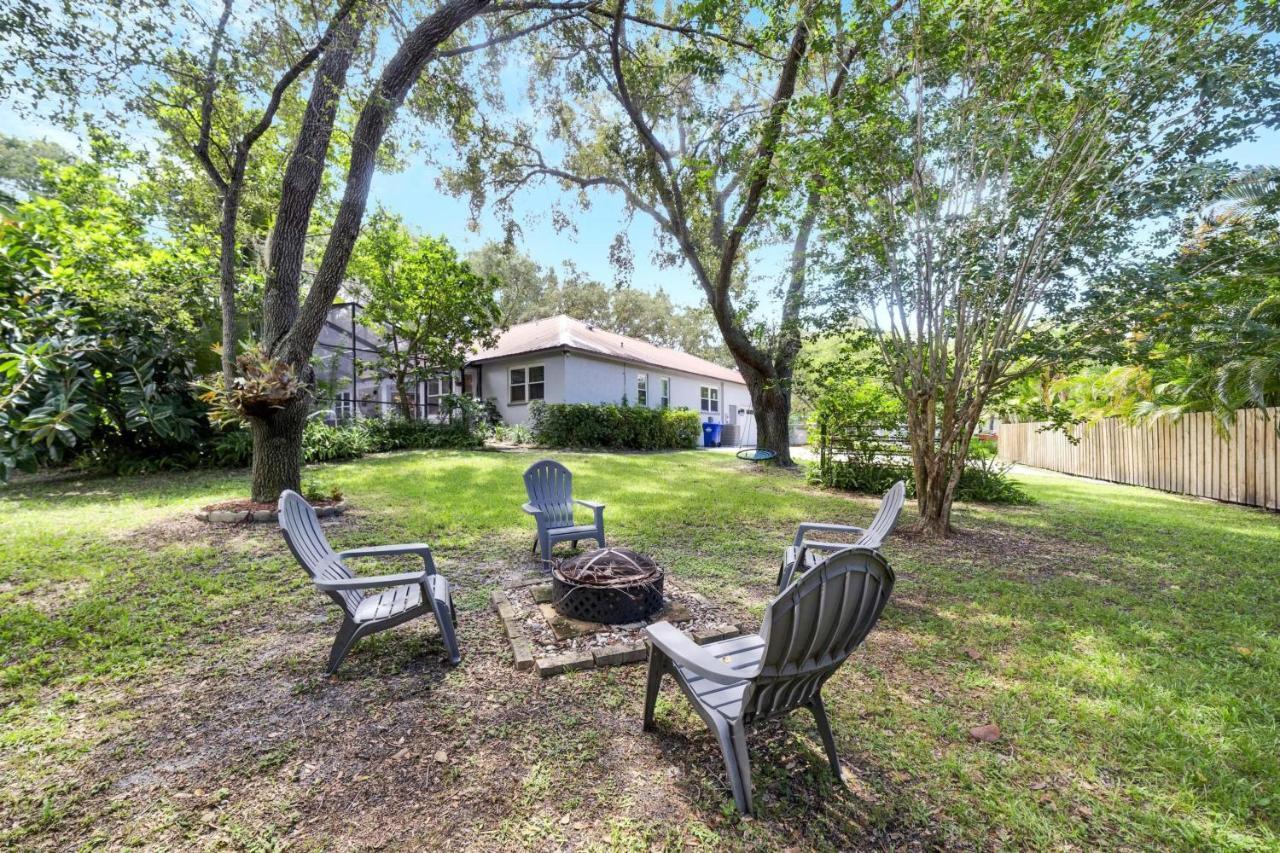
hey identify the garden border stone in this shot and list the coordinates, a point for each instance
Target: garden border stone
(261, 516)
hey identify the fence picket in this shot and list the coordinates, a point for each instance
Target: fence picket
(1188, 456)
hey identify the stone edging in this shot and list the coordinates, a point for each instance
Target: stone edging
(261, 516)
(614, 655)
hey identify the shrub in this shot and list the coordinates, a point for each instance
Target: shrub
(323, 443)
(383, 434)
(321, 489)
(612, 426)
(984, 479)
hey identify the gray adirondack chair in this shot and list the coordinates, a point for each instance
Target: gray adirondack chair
(550, 488)
(807, 632)
(398, 598)
(808, 552)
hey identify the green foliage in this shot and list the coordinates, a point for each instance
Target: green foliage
(261, 384)
(433, 307)
(85, 361)
(616, 427)
(984, 479)
(323, 443)
(24, 166)
(383, 434)
(315, 488)
(1196, 328)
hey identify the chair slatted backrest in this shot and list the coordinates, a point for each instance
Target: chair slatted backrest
(813, 625)
(307, 541)
(886, 517)
(550, 488)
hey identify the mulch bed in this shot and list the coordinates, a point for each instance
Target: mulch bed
(241, 505)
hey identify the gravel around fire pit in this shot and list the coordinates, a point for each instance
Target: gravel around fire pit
(689, 610)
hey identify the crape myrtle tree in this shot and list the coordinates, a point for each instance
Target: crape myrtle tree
(431, 307)
(1018, 151)
(691, 123)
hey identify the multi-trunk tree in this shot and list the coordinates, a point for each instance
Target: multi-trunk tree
(1014, 153)
(693, 121)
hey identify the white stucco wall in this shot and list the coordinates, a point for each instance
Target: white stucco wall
(495, 380)
(577, 378)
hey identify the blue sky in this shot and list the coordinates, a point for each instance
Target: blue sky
(414, 194)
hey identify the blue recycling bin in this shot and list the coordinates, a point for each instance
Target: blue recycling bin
(711, 434)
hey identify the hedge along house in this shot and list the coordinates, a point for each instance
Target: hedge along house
(563, 360)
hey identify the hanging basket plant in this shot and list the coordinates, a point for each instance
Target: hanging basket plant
(262, 385)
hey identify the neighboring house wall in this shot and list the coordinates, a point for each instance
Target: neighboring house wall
(577, 378)
(496, 383)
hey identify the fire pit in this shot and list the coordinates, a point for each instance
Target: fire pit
(610, 585)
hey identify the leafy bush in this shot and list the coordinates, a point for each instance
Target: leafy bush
(984, 479)
(396, 433)
(323, 443)
(230, 449)
(514, 434)
(321, 489)
(615, 427)
(80, 375)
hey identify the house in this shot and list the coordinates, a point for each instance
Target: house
(347, 378)
(563, 360)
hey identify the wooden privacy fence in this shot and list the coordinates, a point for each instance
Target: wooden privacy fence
(1189, 456)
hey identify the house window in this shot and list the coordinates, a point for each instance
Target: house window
(527, 383)
(664, 399)
(345, 408)
(437, 387)
(710, 399)
(642, 389)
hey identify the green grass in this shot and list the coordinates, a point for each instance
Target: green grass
(162, 684)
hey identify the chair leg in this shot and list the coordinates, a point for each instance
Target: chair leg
(824, 729)
(534, 549)
(347, 636)
(657, 668)
(744, 762)
(575, 543)
(446, 618)
(738, 771)
(544, 545)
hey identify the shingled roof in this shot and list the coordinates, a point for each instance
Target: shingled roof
(563, 333)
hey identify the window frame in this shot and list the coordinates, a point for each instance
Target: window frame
(526, 384)
(709, 399)
(664, 392)
(433, 399)
(642, 389)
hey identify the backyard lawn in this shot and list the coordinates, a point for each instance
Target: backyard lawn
(163, 680)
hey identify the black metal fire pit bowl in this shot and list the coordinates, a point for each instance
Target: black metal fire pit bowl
(610, 585)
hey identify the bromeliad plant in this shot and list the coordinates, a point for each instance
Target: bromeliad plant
(261, 385)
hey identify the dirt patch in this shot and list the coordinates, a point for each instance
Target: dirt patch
(1012, 552)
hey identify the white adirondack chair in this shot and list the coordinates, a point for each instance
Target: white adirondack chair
(808, 552)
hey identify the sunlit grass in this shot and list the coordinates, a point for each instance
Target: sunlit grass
(1127, 642)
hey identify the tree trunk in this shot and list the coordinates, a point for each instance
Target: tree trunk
(402, 389)
(227, 281)
(277, 451)
(303, 176)
(772, 405)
